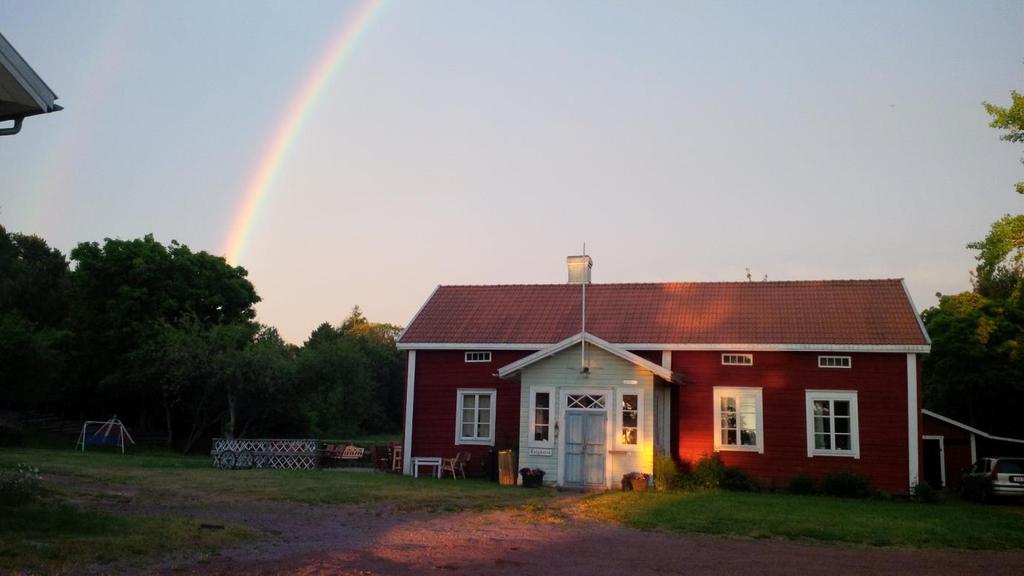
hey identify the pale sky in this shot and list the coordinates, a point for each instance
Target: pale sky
(482, 142)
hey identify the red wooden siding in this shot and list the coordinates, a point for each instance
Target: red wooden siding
(879, 379)
(439, 374)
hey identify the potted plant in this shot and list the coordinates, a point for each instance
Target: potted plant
(532, 477)
(636, 481)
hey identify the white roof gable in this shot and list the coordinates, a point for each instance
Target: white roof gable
(511, 369)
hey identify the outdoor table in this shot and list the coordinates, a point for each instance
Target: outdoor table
(426, 461)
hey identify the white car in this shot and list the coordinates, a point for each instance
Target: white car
(994, 477)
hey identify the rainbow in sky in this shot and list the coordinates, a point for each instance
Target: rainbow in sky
(342, 44)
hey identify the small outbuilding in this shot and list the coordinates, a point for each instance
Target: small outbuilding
(949, 447)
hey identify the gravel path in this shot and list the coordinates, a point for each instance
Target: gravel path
(354, 541)
(377, 541)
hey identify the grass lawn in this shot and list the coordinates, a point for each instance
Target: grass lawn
(950, 524)
(163, 475)
(54, 538)
(69, 528)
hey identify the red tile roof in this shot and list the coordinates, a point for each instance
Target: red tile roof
(840, 312)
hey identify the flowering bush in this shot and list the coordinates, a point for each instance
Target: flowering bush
(19, 486)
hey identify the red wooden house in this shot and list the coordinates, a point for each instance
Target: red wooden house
(588, 381)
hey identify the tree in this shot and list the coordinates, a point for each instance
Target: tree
(975, 372)
(33, 316)
(129, 295)
(1010, 119)
(1000, 271)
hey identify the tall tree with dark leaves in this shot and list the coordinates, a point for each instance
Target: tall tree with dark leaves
(33, 321)
(975, 372)
(128, 293)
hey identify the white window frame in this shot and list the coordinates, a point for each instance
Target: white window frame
(480, 356)
(552, 410)
(732, 356)
(617, 428)
(822, 359)
(461, 393)
(736, 391)
(849, 395)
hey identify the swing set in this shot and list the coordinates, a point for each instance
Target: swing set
(110, 433)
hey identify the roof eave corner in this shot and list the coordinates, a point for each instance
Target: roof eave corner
(398, 340)
(917, 315)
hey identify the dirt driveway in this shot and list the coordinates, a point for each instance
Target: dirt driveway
(352, 540)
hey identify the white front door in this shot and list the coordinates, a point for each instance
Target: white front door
(585, 440)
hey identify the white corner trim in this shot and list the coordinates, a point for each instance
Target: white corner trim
(917, 315)
(418, 312)
(410, 386)
(974, 449)
(913, 436)
(666, 359)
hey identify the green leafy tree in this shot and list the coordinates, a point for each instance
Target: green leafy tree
(338, 393)
(128, 296)
(33, 316)
(975, 372)
(1010, 119)
(1001, 259)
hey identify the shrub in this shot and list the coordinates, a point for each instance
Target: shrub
(801, 484)
(846, 484)
(923, 492)
(666, 473)
(736, 480)
(708, 472)
(711, 472)
(19, 486)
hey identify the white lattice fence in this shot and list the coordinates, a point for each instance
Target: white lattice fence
(288, 454)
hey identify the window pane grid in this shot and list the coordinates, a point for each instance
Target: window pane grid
(541, 416)
(476, 416)
(630, 418)
(738, 420)
(832, 424)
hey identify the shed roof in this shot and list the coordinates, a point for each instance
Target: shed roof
(825, 314)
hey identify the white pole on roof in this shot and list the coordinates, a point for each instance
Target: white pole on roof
(583, 316)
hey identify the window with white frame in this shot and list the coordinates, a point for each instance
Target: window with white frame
(737, 359)
(585, 401)
(629, 417)
(832, 428)
(474, 417)
(478, 356)
(541, 407)
(739, 419)
(834, 362)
